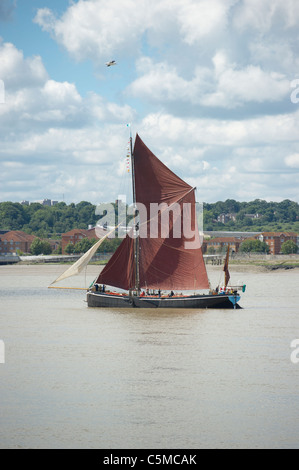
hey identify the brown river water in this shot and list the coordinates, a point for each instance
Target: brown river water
(75, 377)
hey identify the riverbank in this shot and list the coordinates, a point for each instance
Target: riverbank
(60, 259)
(265, 262)
(237, 263)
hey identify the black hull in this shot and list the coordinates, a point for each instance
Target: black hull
(106, 300)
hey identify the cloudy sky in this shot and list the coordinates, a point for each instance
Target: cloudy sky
(211, 86)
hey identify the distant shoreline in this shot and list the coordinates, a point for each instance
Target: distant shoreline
(255, 267)
(264, 263)
(253, 262)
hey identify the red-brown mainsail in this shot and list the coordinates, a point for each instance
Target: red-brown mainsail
(164, 261)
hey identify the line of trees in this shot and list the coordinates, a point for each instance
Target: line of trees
(257, 246)
(272, 216)
(108, 246)
(39, 246)
(45, 221)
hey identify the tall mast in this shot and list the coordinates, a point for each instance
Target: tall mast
(133, 169)
(136, 239)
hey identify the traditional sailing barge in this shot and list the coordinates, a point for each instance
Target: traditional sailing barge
(146, 263)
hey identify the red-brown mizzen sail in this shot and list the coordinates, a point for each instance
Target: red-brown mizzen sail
(225, 269)
(166, 261)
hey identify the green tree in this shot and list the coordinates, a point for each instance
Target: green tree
(289, 247)
(69, 249)
(12, 216)
(58, 250)
(47, 249)
(39, 247)
(82, 246)
(255, 246)
(36, 246)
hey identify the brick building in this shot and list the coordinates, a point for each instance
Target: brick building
(53, 243)
(221, 243)
(76, 235)
(275, 240)
(15, 240)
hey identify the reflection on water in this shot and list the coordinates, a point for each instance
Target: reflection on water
(77, 377)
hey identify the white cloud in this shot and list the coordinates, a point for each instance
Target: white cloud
(203, 18)
(264, 15)
(292, 161)
(160, 82)
(216, 132)
(251, 84)
(17, 71)
(46, 19)
(96, 28)
(224, 86)
(276, 53)
(57, 92)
